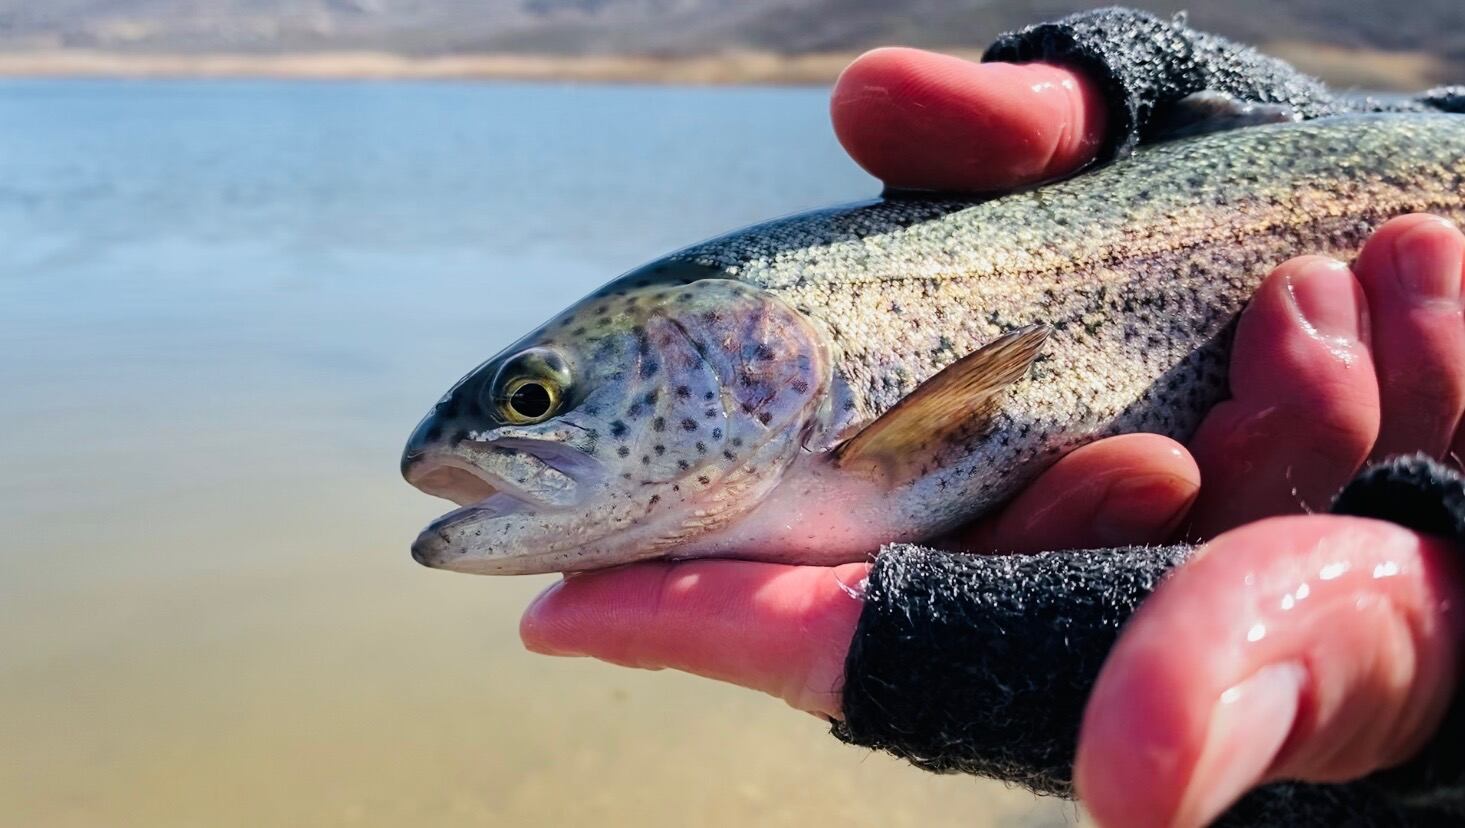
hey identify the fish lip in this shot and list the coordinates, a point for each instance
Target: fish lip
(431, 544)
(498, 504)
(419, 468)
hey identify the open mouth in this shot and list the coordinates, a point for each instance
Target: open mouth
(452, 479)
(477, 491)
(503, 488)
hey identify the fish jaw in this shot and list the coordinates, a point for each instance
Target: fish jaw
(515, 498)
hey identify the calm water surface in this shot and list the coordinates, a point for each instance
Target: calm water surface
(222, 308)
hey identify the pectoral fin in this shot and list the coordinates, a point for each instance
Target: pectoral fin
(958, 401)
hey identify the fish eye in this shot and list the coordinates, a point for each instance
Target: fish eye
(530, 388)
(529, 401)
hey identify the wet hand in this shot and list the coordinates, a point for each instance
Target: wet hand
(1317, 648)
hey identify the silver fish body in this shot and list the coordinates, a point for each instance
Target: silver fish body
(806, 330)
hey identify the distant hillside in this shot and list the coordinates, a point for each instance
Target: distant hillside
(684, 28)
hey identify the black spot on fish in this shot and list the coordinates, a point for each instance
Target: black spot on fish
(737, 441)
(709, 395)
(649, 369)
(710, 413)
(729, 455)
(659, 449)
(634, 412)
(659, 424)
(717, 434)
(618, 429)
(578, 331)
(689, 424)
(764, 417)
(655, 499)
(683, 392)
(645, 459)
(623, 451)
(683, 465)
(703, 479)
(799, 386)
(701, 447)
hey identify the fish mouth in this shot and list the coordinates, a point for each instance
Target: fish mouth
(451, 478)
(505, 490)
(480, 494)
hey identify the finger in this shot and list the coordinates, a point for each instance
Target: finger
(784, 630)
(926, 121)
(1316, 648)
(1304, 407)
(1411, 271)
(1131, 489)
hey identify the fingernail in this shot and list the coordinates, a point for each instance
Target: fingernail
(1324, 295)
(1248, 726)
(1420, 267)
(1142, 509)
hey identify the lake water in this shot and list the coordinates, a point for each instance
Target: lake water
(222, 308)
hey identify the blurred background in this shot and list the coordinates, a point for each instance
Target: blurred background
(245, 244)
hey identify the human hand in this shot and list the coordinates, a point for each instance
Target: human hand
(1329, 367)
(1316, 648)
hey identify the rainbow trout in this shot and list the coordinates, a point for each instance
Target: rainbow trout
(812, 388)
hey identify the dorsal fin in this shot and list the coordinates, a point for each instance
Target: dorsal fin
(961, 398)
(1210, 111)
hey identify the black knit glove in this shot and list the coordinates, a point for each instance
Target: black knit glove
(983, 665)
(1145, 65)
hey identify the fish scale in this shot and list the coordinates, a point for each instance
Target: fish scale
(1137, 270)
(1139, 267)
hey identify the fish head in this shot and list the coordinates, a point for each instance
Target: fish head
(646, 415)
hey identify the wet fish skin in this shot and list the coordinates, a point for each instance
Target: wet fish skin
(1139, 269)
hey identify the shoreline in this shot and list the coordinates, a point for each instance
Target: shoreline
(1344, 67)
(732, 68)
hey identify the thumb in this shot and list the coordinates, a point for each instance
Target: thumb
(1305, 648)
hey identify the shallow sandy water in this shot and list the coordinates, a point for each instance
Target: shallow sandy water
(222, 307)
